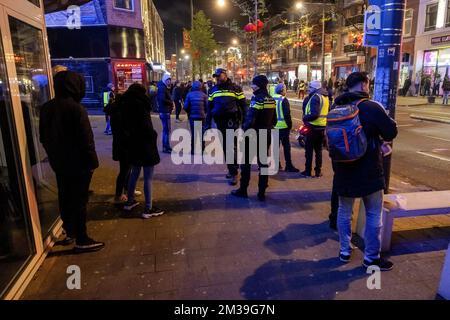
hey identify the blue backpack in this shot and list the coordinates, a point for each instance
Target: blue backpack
(347, 141)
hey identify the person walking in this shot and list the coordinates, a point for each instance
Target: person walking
(108, 99)
(417, 85)
(165, 108)
(195, 106)
(446, 89)
(227, 105)
(406, 86)
(284, 125)
(301, 90)
(437, 85)
(364, 178)
(261, 117)
(153, 94)
(143, 151)
(177, 97)
(67, 137)
(315, 109)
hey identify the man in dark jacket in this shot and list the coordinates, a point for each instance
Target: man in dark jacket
(165, 106)
(315, 111)
(261, 116)
(284, 125)
(66, 134)
(364, 178)
(227, 105)
(177, 97)
(195, 106)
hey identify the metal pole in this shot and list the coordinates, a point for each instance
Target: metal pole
(388, 62)
(323, 43)
(192, 14)
(255, 40)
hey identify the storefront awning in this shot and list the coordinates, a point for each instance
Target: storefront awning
(58, 5)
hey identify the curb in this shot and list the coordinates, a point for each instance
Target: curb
(431, 119)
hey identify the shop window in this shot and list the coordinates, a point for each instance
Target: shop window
(32, 77)
(431, 17)
(16, 246)
(124, 5)
(407, 30)
(447, 18)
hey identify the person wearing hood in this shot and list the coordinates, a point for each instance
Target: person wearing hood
(364, 178)
(284, 125)
(165, 107)
(195, 106)
(315, 110)
(260, 116)
(142, 146)
(226, 105)
(67, 137)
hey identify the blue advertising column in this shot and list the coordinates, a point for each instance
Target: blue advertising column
(384, 28)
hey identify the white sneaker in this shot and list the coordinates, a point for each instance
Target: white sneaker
(138, 193)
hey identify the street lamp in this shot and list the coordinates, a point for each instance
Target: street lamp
(183, 51)
(221, 3)
(235, 42)
(299, 6)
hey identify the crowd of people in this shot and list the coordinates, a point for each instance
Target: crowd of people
(67, 137)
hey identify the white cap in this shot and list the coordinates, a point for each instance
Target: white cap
(166, 77)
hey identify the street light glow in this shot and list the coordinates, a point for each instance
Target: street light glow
(235, 42)
(183, 51)
(299, 5)
(221, 3)
(186, 57)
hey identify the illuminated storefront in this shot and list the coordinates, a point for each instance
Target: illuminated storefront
(127, 73)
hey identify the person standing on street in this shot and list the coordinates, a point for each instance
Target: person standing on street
(195, 106)
(227, 105)
(446, 89)
(108, 99)
(177, 97)
(261, 116)
(284, 125)
(315, 110)
(301, 90)
(364, 178)
(165, 107)
(143, 151)
(67, 137)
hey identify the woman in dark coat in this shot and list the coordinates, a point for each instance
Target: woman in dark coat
(142, 150)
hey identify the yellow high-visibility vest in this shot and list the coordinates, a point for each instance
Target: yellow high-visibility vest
(325, 108)
(281, 121)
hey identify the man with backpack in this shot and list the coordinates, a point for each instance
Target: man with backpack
(355, 130)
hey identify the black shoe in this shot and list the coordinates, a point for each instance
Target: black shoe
(88, 245)
(345, 258)
(333, 225)
(291, 169)
(151, 213)
(233, 181)
(240, 193)
(305, 174)
(384, 265)
(262, 196)
(318, 175)
(67, 241)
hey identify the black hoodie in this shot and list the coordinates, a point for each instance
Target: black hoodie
(65, 130)
(365, 176)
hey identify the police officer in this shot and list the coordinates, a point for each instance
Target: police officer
(284, 124)
(108, 99)
(261, 116)
(315, 110)
(227, 105)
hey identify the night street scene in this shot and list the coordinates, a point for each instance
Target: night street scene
(218, 154)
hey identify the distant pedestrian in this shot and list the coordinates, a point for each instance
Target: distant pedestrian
(364, 178)
(284, 125)
(108, 99)
(406, 86)
(437, 85)
(67, 137)
(153, 94)
(165, 108)
(195, 106)
(417, 85)
(177, 97)
(446, 89)
(301, 90)
(427, 86)
(142, 147)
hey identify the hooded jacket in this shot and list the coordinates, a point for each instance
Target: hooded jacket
(365, 176)
(196, 102)
(316, 107)
(65, 130)
(262, 112)
(165, 102)
(140, 137)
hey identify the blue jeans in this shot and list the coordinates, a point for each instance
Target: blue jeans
(108, 124)
(372, 237)
(446, 94)
(148, 180)
(165, 120)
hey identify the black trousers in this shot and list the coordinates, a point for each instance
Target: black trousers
(286, 143)
(73, 196)
(178, 108)
(230, 122)
(246, 169)
(123, 178)
(192, 126)
(314, 145)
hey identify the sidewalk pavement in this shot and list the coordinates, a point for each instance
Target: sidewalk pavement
(212, 246)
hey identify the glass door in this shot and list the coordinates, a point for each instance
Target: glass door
(16, 245)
